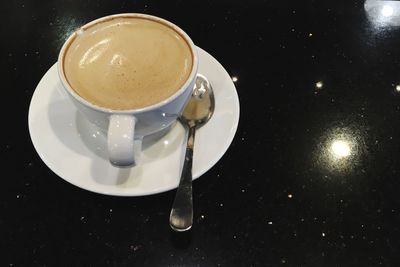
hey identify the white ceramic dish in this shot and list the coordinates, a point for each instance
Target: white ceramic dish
(75, 150)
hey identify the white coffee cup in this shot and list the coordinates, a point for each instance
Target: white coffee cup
(126, 128)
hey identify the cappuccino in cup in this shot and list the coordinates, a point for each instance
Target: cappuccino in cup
(127, 62)
(131, 75)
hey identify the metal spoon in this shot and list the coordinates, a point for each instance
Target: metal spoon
(196, 113)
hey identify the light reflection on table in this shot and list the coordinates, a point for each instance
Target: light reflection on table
(383, 13)
(340, 149)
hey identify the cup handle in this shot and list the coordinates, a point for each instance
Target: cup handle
(123, 147)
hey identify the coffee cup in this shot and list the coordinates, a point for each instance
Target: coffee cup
(131, 75)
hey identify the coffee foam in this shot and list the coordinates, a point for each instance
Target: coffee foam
(127, 63)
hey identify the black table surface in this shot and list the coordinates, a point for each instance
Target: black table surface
(310, 179)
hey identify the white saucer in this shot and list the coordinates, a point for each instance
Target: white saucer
(75, 150)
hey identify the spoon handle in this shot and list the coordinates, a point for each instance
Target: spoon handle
(181, 217)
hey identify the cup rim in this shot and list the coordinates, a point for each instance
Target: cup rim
(182, 89)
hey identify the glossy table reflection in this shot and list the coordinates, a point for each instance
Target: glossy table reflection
(311, 178)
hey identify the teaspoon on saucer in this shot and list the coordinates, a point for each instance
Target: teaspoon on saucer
(197, 112)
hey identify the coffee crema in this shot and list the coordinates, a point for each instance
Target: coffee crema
(127, 63)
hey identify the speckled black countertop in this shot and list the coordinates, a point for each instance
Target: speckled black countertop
(310, 179)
